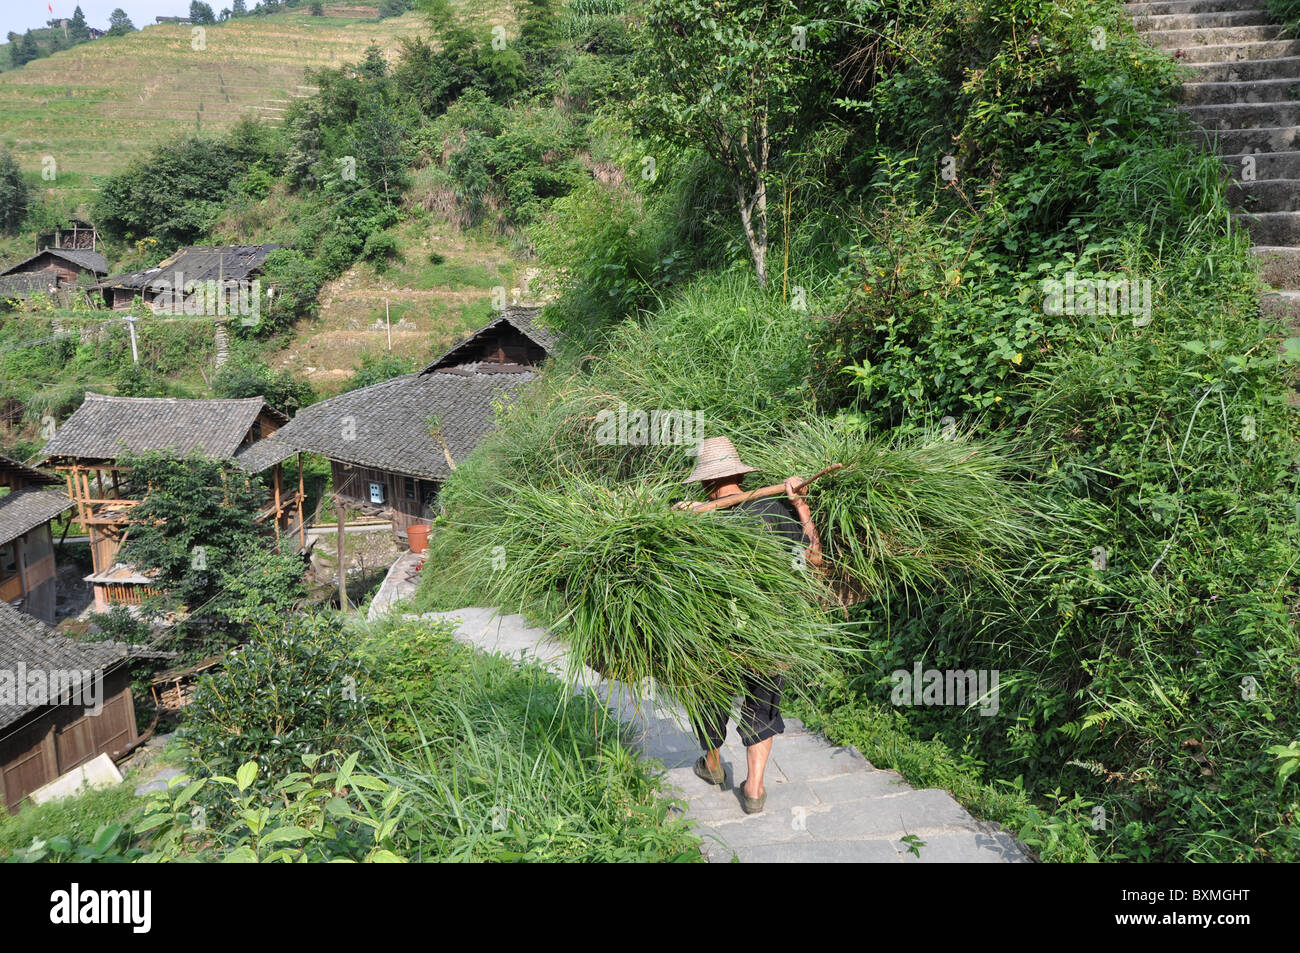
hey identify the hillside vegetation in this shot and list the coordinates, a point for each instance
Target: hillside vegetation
(96, 107)
(839, 232)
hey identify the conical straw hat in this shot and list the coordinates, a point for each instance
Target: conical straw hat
(717, 459)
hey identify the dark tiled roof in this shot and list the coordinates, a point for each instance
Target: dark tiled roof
(28, 641)
(265, 453)
(28, 509)
(388, 422)
(28, 474)
(524, 320)
(19, 286)
(104, 427)
(84, 258)
(198, 263)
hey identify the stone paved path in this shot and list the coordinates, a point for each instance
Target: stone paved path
(824, 803)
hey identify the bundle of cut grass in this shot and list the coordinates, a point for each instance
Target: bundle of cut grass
(907, 514)
(638, 591)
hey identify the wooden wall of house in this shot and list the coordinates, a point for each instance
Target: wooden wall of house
(31, 586)
(353, 484)
(54, 740)
(56, 269)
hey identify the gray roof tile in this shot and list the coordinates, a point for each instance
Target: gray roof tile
(198, 263)
(524, 320)
(386, 426)
(104, 427)
(29, 642)
(81, 257)
(28, 509)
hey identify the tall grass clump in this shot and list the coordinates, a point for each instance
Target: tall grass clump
(909, 512)
(498, 761)
(638, 591)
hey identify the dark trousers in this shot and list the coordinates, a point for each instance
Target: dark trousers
(760, 714)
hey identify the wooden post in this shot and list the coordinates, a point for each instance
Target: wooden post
(302, 529)
(340, 519)
(389, 323)
(275, 476)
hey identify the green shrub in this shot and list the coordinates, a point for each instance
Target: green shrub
(292, 689)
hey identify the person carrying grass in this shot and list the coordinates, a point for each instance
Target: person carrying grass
(719, 469)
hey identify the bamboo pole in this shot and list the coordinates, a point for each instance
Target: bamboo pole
(776, 489)
(340, 518)
(302, 529)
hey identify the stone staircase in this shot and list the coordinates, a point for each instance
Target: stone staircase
(1245, 97)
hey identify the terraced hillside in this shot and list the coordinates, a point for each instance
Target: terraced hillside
(96, 107)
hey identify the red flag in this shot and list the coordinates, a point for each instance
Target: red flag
(51, 9)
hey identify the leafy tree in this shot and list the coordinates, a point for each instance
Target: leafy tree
(238, 9)
(23, 50)
(296, 283)
(317, 8)
(177, 192)
(377, 368)
(78, 32)
(245, 376)
(197, 528)
(15, 196)
(119, 24)
(539, 30)
(201, 13)
(723, 76)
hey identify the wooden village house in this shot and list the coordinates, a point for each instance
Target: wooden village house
(28, 504)
(163, 286)
(47, 726)
(86, 448)
(391, 445)
(50, 270)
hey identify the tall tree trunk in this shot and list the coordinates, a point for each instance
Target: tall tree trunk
(753, 206)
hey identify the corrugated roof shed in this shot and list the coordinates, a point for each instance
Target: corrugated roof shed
(104, 427)
(386, 425)
(198, 263)
(27, 509)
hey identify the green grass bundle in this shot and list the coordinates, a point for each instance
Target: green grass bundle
(905, 513)
(638, 591)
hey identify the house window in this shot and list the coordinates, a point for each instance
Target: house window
(409, 485)
(376, 493)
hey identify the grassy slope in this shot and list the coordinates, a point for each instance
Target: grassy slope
(130, 93)
(98, 106)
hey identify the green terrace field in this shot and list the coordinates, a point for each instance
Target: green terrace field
(96, 107)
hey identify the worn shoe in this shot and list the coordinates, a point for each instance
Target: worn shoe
(750, 805)
(702, 772)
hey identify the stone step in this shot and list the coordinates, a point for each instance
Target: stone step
(1265, 139)
(1175, 7)
(1248, 70)
(1211, 36)
(1225, 116)
(1268, 165)
(1279, 265)
(1271, 228)
(1284, 305)
(1265, 195)
(1256, 91)
(1241, 52)
(1201, 21)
